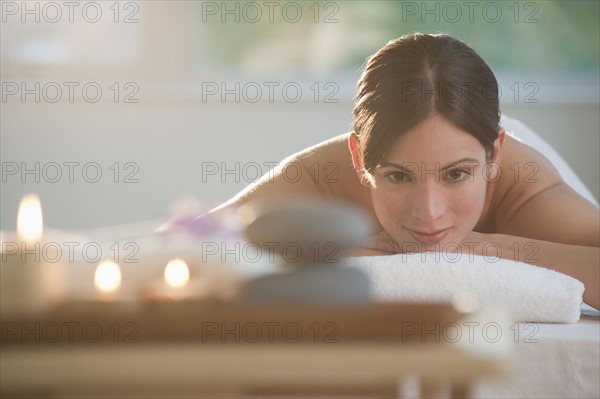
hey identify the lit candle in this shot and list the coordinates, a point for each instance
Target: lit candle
(176, 284)
(29, 282)
(176, 279)
(177, 273)
(107, 280)
(30, 223)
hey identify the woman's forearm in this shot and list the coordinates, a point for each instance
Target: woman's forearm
(580, 262)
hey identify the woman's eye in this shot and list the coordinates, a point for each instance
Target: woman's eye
(456, 175)
(397, 177)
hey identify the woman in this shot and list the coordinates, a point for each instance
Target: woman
(429, 161)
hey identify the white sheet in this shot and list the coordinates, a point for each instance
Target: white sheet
(551, 361)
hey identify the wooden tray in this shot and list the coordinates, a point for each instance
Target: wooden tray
(227, 323)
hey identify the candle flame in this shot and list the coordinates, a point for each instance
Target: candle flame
(29, 218)
(108, 276)
(177, 273)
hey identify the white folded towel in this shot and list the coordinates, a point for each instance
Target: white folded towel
(531, 293)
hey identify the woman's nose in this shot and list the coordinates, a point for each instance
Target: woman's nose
(428, 203)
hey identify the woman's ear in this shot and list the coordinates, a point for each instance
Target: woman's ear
(499, 145)
(357, 160)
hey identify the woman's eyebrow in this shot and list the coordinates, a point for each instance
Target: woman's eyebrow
(412, 167)
(408, 167)
(471, 161)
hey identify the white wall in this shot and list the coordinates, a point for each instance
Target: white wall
(172, 141)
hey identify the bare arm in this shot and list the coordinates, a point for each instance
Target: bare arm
(578, 261)
(563, 229)
(546, 215)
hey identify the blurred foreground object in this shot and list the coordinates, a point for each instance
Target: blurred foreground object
(206, 348)
(310, 237)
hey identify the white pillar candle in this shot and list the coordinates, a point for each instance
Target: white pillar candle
(31, 279)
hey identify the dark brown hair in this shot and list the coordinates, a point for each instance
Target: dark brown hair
(417, 75)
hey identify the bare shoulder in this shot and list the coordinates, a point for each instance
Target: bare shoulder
(333, 149)
(324, 170)
(525, 171)
(533, 201)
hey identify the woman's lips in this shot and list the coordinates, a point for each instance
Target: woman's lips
(432, 238)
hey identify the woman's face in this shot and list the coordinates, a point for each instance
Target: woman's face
(430, 189)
